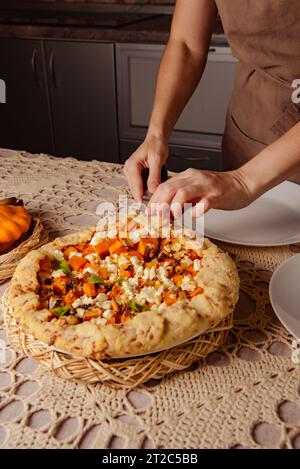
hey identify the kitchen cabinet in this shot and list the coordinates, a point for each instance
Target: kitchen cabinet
(61, 98)
(196, 139)
(83, 99)
(25, 119)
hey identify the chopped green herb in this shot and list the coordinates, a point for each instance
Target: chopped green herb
(119, 281)
(136, 307)
(94, 279)
(64, 266)
(62, 310)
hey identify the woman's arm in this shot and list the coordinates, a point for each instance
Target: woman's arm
(275, 164)
(183, 62)
(233, 189)
(180, 71)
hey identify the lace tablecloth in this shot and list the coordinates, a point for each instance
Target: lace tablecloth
(247, 394)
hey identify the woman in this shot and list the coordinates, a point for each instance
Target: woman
(261, 144)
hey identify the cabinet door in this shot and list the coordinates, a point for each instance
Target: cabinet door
(25, 122)
(82, 89)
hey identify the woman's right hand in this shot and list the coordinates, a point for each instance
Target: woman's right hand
(151, 154)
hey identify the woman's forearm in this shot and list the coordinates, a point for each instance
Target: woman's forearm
(183, 63)
(276, 163)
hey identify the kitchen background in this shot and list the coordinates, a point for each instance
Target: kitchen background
(80, 78)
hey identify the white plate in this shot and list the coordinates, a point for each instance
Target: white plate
(285, 294)
(272, 220)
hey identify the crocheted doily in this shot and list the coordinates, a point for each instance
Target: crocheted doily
(246, 394)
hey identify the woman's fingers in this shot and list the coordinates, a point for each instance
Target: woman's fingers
(163, 196)
(186, 194)
(201, 208)
(154, 179)
(133, 171)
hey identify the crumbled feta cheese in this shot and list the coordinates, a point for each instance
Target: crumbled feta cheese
(106, 304)
(134, 236)
(152, 273)
(176, 247)
(109, 313)
(111, 266)
(134, 281)
(75, 253)
(58, 255)
(100, 321)
(86, 300)
(58, 273)
(97, 238)
(53, 301)
(123, 260)
(80, 312)
(90, 270)
(92, 257)
(135, 261)
(197, 265)
(162, 275)
(82, 301)
(146, 274)
(112, 233)
(187, 261)
(100, 298)
(162, 272)
(149, 294)
(139, 271)
(127, 290)
(187, 284)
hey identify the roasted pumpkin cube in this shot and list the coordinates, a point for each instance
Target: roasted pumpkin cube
(77, 262)
(89, 289)
(102, 249)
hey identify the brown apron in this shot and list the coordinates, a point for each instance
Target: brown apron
(264, 36)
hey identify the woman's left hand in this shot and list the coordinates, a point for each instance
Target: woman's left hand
(205, 189)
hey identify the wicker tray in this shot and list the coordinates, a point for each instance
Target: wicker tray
(9, 261)
(118, 373)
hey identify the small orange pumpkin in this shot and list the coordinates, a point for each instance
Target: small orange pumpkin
(14, 222)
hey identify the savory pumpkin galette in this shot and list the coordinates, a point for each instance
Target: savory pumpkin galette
(110, 297)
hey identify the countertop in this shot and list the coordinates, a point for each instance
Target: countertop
(152, 30)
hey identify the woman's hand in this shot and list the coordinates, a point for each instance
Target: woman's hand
(151, 154)
(205, 189)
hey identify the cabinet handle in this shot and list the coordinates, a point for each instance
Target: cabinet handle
(52, 69)
(190, 158)
(34, 67)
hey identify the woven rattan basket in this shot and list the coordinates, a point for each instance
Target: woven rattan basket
(118, 373)
(9, 261)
